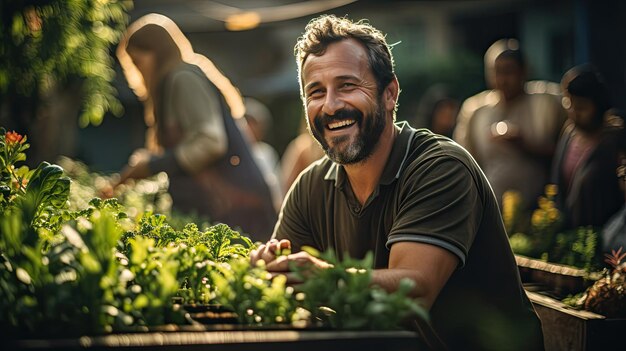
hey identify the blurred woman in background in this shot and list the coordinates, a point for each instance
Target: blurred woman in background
(587, 152)
(192, 112)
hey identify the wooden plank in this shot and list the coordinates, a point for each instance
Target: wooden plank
(237, 340)
(559, 279)
(538, 299)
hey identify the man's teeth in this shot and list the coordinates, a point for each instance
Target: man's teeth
(340, 124)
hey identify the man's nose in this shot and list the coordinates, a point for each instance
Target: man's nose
(332, 103)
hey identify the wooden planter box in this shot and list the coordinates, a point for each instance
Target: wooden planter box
(215, 328)
(236, 340)
(567, 329)
(558, 280)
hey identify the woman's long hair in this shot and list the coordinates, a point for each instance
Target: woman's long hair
(160, 35)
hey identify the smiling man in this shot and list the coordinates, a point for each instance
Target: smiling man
(417, 200)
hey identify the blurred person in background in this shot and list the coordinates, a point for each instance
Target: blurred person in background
(513, 134)
(437, 111)
(490, 96)
(587, 154)
(259, 120)
(191, 110)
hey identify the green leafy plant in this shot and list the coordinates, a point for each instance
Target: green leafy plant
(68, 272)
(577, 248)
(43, 43)
(341, 297)
(197, 252)
(251, 292)
(544, 240)
(137, 196)
(12, 180)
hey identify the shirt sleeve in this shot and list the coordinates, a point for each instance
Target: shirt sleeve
(293, 222)
(197, 109)
(439, 205)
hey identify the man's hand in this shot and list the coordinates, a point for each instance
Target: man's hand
(300, 259)
(269, 251)
(281, 264)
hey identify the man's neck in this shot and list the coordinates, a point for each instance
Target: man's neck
(364, 176)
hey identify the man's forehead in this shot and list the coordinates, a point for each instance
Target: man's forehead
(346, 50)
(347, 53)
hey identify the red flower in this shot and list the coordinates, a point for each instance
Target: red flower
(13, 138)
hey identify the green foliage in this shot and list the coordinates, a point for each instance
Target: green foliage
(12, 179)
(253, 294)
(45, 195)
(149, 299)
(71, 272)
(37, 197)
(575, 301)
(577, 248)
(137, 197)
(56, 291)
(56, 265)
(197, 252)
(339, 297)
(544, 240)
(521, 244)
(342, 297)
(43, 43)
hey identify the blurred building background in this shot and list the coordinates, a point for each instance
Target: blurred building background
(434, 42)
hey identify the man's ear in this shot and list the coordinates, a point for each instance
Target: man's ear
(390, 95)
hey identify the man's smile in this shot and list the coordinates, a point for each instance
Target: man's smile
(340, 124)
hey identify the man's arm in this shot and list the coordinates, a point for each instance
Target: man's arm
(429, 266)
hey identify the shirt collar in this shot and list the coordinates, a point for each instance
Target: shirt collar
(397, 158)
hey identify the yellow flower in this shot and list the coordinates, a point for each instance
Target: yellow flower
(510, 204)
(537, 218)
(551, 190)
(553, 214)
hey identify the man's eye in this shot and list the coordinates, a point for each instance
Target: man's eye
(348, 85)
(315, 92)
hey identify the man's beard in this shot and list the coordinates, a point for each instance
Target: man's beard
(370, 130)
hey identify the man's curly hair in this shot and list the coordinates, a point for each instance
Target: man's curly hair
(327, 29)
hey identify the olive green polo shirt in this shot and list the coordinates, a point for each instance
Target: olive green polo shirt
(431, 191)
(322, 211)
